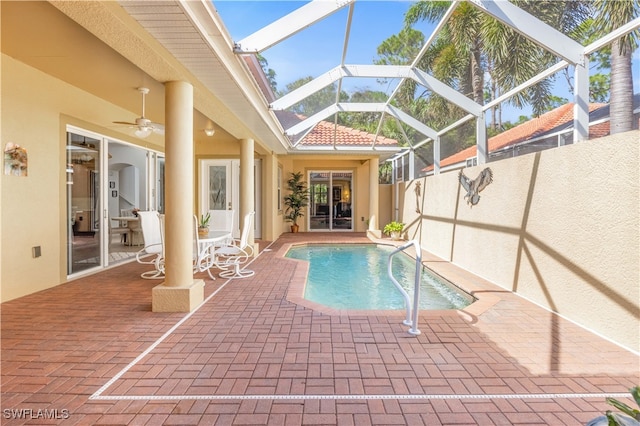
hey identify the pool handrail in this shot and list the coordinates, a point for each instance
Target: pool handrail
(412, 314)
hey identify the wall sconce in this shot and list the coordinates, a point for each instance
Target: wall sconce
(209, 132)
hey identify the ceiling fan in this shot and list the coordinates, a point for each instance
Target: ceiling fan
(144, 126)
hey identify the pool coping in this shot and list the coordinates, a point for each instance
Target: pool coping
(486, 293)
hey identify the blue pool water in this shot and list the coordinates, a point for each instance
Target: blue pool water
(354, 276)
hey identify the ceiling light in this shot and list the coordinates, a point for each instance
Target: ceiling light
(143, 131)
(209, 132)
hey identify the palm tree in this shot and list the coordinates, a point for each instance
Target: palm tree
(488, 46)
(462, 36)
(609, 16)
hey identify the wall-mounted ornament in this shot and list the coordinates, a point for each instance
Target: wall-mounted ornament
(15, 160)
(418, 192)
(474, 187)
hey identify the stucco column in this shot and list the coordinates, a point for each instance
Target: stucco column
(247, 180)
(179, 292)
(373, 198)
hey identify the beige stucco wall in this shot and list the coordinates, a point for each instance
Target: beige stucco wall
(560, 227)
(36, 109)
(385, 199)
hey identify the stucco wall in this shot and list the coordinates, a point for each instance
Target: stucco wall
(35, 111)
(559, 227)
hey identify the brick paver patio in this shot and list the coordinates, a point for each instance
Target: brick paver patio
(91, 352)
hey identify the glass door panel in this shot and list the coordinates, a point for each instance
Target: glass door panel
(219, 188)
(160, 184)
(330, 200)
(130, 169)
(341, 184)
(83, 203)
(319, 202)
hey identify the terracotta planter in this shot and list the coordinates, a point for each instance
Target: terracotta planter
(295, 228)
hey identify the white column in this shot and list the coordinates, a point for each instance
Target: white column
(581, 106)
(412, 165)
(436, 155)
(247, 193)
(179, 292)
(482, 150)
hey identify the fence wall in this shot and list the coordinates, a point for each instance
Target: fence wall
(560, 227)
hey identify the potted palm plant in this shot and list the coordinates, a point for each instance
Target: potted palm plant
(296, 200)
(393, 229)
(203, 225)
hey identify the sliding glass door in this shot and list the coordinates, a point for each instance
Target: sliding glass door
(107, 181)
(330, 206)
(83, 202)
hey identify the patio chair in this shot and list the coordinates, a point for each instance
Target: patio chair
(222, 220)
(203, 256)
(231, 257)
(153, 251)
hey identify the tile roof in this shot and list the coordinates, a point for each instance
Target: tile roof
(323, 133)
(546, 123)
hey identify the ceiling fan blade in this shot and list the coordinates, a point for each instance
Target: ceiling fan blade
(143, 124)
(158, 128)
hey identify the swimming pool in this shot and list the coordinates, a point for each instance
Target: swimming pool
(354, 276)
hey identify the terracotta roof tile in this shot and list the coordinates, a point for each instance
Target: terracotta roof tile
(323, 133)
(529, 130)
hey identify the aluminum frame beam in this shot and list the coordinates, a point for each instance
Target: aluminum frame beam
(289, 25)
(533, 29)
(378, 71)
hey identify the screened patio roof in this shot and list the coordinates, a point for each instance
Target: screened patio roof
(157, 41)
(346, 17)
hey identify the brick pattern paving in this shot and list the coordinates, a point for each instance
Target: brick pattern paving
(91, 352)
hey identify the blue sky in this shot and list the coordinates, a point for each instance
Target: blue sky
(318, 48)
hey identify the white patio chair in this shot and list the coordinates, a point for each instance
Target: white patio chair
(203, 257)
(231, 257)
(222, 220)
(153, 251)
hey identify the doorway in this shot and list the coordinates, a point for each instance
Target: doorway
(107, 181)
(331, 196)
(220, 190)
